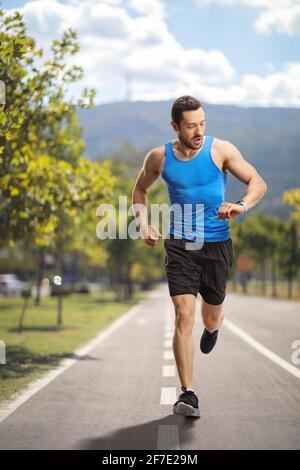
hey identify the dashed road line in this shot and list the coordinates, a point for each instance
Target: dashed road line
(168, 395)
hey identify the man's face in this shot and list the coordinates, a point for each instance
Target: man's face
(191, 129)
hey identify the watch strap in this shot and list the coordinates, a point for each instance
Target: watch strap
(243, 203)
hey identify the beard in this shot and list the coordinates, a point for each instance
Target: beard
(188, 143)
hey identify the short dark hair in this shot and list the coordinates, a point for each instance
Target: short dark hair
(184, 103)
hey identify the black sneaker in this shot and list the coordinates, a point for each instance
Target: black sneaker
(208, 340)
(187, 405)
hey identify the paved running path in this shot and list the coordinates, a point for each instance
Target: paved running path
(120, 395)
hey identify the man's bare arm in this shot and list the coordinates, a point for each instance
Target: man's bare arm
(146, 177)
(245, 172)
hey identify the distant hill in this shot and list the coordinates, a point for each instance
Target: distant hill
(269, 138)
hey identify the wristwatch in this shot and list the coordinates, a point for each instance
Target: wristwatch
(243, 203)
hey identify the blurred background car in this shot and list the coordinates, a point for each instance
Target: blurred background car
(10, 284)
(81, 287)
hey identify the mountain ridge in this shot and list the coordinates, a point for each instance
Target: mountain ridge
(268, 138)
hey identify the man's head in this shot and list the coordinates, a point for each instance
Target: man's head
(188, 121)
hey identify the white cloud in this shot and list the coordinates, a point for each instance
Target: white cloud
(116, 44)
(282, 16)
(255, 3)
(279, 88)
(148, 7)
(45, 20)
(102, 20)
(282, 20)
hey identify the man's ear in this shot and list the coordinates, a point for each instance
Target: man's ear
(175, 126)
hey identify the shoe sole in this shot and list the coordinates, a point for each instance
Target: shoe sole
(183, 409)
(207, 351)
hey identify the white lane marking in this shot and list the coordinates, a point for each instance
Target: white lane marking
(141, 321)
(168, 371)
(168, 396)
(169, 328)
(168, 343)
(262, 349)
(9, 406)
(169, 334)
(168, 437)
(168, 354)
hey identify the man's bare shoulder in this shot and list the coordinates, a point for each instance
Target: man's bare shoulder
(155, 159)
(223, 147)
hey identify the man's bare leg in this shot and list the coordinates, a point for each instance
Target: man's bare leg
(212, 315)
(183, 345)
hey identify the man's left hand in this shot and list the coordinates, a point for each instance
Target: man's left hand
(227, 210)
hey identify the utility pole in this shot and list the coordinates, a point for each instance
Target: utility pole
(128, 93)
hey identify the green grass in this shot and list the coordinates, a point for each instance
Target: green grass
(41, 346)
(254, 288)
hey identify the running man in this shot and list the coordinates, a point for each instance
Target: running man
(194, 167)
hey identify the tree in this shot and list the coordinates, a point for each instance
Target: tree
(291, 266)
(238, 243)
(131, 261)
(289, 254)
(37, 124)
(45, 183)
(292, 197)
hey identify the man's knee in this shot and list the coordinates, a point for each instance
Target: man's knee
(213, 322)
(184, 318)
(212, 315)
(213, 298)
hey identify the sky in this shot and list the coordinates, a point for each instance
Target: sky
(240, 52)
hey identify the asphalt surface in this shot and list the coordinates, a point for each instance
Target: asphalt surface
(112, 398)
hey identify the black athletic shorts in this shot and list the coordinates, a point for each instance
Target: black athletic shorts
(204, 270)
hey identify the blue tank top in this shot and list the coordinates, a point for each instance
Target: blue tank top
(197, 187)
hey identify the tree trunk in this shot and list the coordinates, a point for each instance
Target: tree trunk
(233, 281)
(21, 321)
(40, 275)
(59, 318)
(262, 278)
(129, 285)
(274, 279)
(243, 282)
(59, 309)
(290, 287)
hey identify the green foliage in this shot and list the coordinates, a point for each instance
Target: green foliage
(45, 183)
(132, 261)
(292, 197)
(271, 242)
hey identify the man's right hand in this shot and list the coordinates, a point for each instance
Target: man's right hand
(151, 235)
